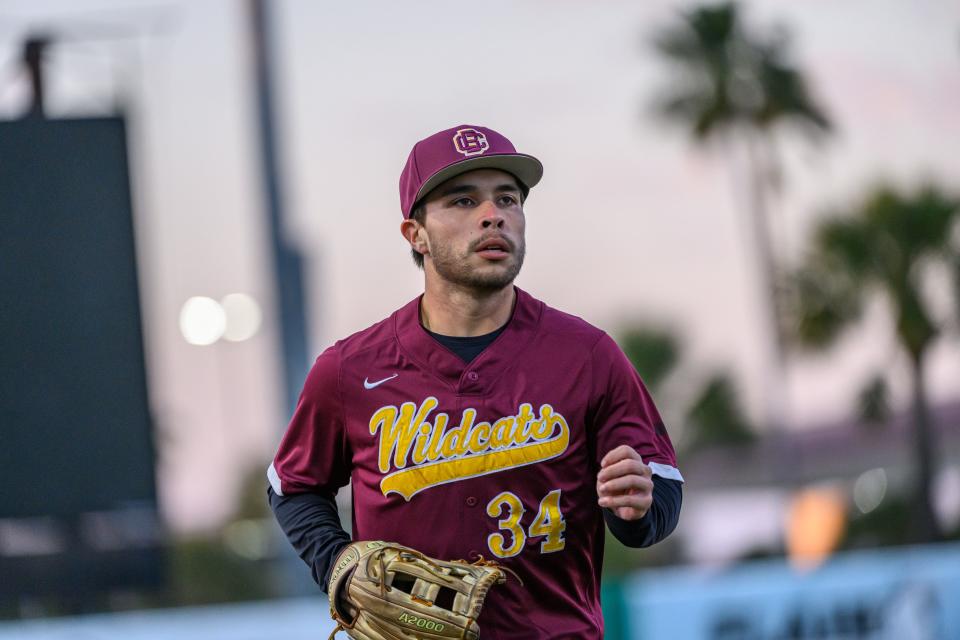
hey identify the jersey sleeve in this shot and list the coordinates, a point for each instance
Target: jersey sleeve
(314, 453)
(624, 413)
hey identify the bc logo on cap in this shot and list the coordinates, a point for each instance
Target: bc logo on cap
(470, 142)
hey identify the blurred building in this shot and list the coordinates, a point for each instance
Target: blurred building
(867, 463)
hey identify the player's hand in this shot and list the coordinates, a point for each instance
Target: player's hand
(624, 483)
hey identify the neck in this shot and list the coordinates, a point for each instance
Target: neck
(451, 310)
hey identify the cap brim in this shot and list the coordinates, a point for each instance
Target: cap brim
(526, 169)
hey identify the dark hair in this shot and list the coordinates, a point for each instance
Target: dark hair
(419, 214)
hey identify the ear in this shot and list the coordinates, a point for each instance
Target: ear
(415, 234)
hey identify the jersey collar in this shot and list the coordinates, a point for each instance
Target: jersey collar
(475, 377)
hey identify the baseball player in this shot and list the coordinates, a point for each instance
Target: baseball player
(476, 421)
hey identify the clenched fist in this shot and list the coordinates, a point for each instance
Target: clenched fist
(624, 483)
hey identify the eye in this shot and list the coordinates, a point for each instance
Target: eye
(463, 201)
(509, 200)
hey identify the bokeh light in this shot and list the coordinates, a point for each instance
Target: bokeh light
(947, 496)
(870, 489)
(243, 316)
(202, 320)
(815, 522)
(249, 538)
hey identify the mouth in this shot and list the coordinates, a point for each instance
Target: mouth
(494, 248)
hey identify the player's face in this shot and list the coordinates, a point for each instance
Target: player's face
(475, 230)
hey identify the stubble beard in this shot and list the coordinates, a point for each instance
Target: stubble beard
(455, 268)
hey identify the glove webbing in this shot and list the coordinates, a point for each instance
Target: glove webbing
(402, 554)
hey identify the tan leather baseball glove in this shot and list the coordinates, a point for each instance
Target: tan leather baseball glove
(384, 591)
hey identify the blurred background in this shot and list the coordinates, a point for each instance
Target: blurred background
(759, 200)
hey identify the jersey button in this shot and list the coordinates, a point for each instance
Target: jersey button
(473, 376)
(471, 501)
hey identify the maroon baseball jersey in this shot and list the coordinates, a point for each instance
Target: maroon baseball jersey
(494, 458)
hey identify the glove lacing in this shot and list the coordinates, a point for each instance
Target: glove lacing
(407, 555)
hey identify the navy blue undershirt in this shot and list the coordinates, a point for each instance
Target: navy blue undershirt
(468, 347)
(311, 523)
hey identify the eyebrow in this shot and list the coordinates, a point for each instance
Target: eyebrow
(470, 188)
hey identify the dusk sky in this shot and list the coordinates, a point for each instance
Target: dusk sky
(631, 223)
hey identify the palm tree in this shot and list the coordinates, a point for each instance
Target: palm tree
(716, 416)
(737, 88)
(653, 351)
(712, 415)
(884, 246)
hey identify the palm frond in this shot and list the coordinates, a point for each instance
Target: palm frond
(845, 243)
(739, 76)
(786, 95)
(716, 416)
(654, 353)
(701, 35)
(881, 245)
(915, 326)
(824, 301)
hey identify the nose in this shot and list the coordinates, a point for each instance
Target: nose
(490, 216)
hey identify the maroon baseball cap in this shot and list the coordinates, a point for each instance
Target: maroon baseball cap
(451, 152)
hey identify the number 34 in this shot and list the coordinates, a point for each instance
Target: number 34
(549, 522)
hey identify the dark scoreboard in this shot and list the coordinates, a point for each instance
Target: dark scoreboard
(76, 438)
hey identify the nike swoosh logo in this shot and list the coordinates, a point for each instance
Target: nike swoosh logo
(372, 385)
